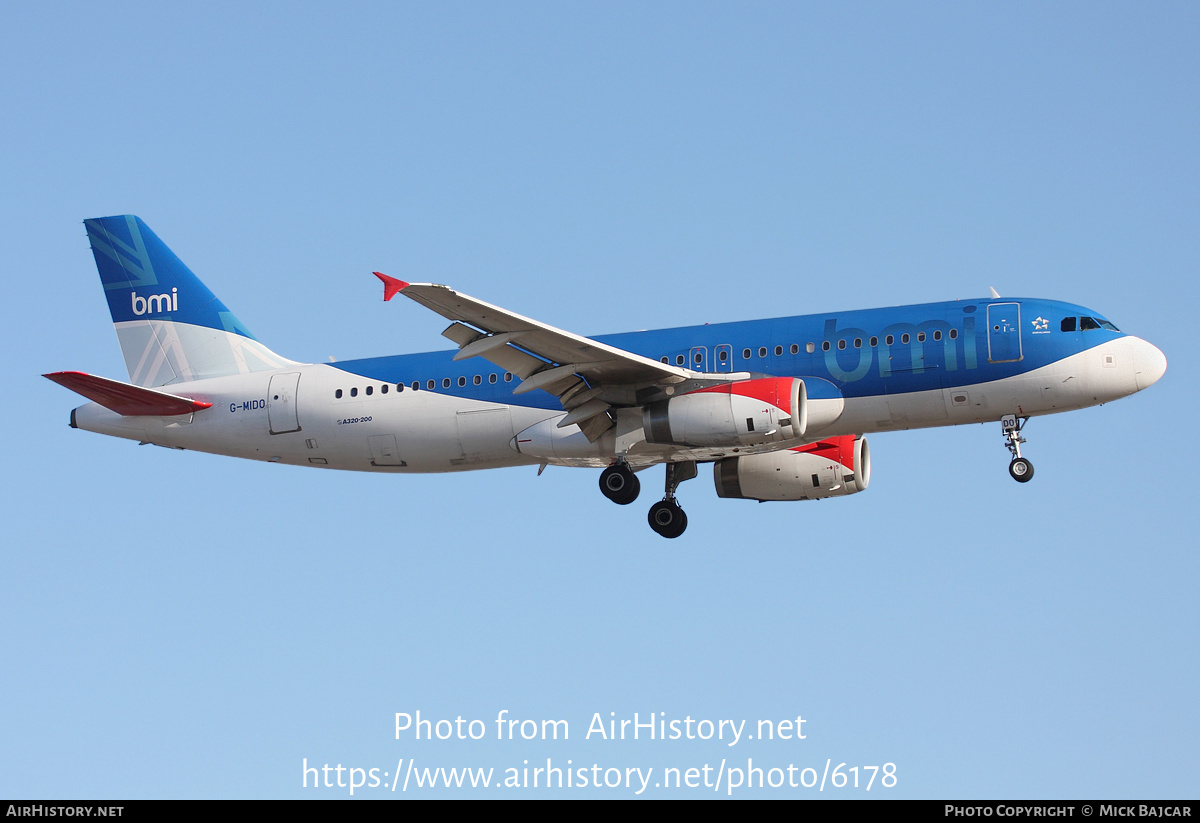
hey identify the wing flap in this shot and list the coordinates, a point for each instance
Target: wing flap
(583, 412)
(126, 399)
(547, 378)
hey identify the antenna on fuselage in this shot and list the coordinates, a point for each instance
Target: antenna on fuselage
(995, 293)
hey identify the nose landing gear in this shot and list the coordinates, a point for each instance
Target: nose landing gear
(1020, 469)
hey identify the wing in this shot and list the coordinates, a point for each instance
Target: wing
(587, 376)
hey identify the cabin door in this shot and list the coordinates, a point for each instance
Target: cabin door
(281, 403)
(1004, 332)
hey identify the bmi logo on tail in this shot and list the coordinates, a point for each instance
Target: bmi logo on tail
(155, 302)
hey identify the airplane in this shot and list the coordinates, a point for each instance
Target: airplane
(779, 407)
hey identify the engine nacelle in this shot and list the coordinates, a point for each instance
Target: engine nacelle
(741, 413)
(828, 468)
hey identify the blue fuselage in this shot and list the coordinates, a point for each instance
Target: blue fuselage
(873, 352)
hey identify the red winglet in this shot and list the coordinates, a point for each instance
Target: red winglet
(390, 285)
(124, 399)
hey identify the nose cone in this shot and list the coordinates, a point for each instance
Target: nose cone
(1149, 364)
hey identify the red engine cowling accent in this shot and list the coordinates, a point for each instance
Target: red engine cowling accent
(828, 468)
(741, 413)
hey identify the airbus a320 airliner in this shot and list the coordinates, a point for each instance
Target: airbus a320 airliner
(779, 407)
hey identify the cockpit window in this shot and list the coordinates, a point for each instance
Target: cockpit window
(1087, 324)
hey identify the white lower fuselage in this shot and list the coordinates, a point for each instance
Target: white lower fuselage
(294, 416)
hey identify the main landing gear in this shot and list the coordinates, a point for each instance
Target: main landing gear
(1020, 468)
(620, 484)
(666, 516)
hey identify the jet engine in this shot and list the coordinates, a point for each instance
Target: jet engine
(828, 468)
(741, 413)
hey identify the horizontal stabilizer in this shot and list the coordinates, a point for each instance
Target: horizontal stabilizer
(125, 399)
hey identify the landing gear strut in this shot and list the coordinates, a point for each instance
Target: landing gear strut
(1020, 468)
(619, 483)
(666, 517)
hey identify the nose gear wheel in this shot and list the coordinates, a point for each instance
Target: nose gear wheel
(1020, 469)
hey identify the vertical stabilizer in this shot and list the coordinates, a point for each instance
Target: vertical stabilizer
(171, 327)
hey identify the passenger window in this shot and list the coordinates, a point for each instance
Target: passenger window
(841, 344)
(904, 337)
(492, 378)
(810, 348)
(723, 355)
(508, 377)
(462, 381)
(825, 346)
(874, 342)
(445, 382)
(762, 351)
(745, 354)
(338, 394)
(370, 390)
(858, 342)
(954, 334)
(416, 385)
(920, 337)
(383, 389)
(354, 392)
(430, 385)
(937, 335)
(795, 349)
(889, 340)
(663, 359)
(477, 380)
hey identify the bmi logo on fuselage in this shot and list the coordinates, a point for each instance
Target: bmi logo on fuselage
(155, 303)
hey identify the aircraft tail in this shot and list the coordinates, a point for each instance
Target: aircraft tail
(171, 327)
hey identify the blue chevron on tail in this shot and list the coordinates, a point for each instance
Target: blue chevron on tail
(171, 327)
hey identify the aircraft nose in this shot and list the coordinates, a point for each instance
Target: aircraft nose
(1149, 363)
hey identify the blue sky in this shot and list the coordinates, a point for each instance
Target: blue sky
(182, 625)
